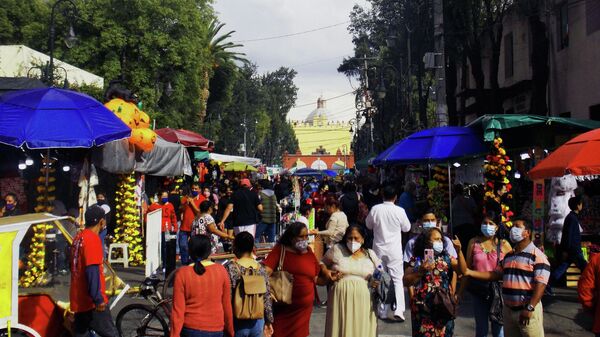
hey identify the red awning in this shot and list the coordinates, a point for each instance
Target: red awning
(186, 138)
(579, 156)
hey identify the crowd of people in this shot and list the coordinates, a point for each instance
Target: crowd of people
(372, 250)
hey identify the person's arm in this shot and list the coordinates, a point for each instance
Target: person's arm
(484, 275)
(412, 275)
(369, 221)
(226, 302)
(586, 286)
(226, 215)
(192, 204)
(173, 219)
(268, 302)
(404, 222)
(331, 224)
(212, 228)
(178, 310)
(92, 275)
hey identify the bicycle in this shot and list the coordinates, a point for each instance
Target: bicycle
(139, 319)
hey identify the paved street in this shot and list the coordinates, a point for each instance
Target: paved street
(562, 314)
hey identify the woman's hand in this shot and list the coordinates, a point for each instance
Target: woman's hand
(426, 266)
(313, 232)
(457, 244)
(374, 283)
(268, 330)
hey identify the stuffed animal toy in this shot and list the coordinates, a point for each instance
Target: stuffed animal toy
(561, 190)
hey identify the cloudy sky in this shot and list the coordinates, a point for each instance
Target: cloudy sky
(314, 55)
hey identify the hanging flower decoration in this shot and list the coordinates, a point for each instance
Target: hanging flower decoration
(127, 219)
(35, 268)
(496, 173)
(438, 192)
(141, 135)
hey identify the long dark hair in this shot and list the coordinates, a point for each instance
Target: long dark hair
(422, 242)
(200, 249)
(290, 233)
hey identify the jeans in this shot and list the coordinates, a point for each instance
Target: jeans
(268, 229)
(248, 327)
(100, 322)
(481, 309)
(186, 332)
(183, 247)
(575, 256)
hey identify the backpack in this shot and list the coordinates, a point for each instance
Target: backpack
(249, 295)
(385, 292)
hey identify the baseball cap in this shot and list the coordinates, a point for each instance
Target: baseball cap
(94, 213)
(245, 182)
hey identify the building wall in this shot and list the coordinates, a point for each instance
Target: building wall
(289, 160)
(332, 137)
(575, 69)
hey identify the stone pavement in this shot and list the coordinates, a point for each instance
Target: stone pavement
(562, 314)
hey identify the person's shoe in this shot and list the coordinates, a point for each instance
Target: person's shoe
(399, 319)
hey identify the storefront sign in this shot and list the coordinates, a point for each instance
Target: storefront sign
(537, 213)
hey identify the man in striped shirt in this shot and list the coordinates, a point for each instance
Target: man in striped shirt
(525, 272)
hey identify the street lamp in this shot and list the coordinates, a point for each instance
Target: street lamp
(69, 41)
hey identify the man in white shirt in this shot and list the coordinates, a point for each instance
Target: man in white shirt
(388, 221)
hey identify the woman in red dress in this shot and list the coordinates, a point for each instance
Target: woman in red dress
(293, 320)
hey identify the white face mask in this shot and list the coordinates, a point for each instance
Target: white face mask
(353, 246)
(438, 247)
(302, 245)
(516, 234)
(429, 224)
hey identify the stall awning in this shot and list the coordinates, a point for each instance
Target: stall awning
(227, 159)
(491, 125)
(165, 160)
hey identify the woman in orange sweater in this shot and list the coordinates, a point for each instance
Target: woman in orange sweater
(588, 288)
(201, 296)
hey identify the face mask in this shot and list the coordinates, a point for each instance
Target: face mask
(488, 230)
(101, 202)
(438, 247)
(194, 193)
(10, 207)
(429, 224)
(353, 246)
(206, 194)
(164, 200)
(302, 245)
(516, 234)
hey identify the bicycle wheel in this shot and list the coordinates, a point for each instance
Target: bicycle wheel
(14, 332)
(137, 320)
(167, 288)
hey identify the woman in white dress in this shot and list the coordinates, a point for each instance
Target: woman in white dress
(349, 306)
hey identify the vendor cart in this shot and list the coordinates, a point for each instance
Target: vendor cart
(40, 310)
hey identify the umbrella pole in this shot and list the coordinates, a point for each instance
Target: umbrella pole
(47, 174)
(450, 198)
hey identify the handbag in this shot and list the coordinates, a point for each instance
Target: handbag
(248, 298)
(444, 306)
(281, 282)
(497, 301)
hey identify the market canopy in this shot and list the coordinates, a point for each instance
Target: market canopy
(56, 118)
(579, 156)
(434, 145)
(237, 166)
(309, 172)
(185, 138)
(165, 159)
(526, 130)
(224, 158)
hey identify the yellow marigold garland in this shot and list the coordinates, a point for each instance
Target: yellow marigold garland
(496, 172)
(127, 229)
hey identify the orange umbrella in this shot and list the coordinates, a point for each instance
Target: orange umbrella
(579, 156)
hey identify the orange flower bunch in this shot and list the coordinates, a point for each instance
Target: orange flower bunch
(497, 167)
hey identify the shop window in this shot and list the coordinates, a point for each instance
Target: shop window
(565, 114)
(595, 112)
(592, 16)
(562, 24)
(508, 55)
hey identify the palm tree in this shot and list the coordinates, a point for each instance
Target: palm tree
(220, 53)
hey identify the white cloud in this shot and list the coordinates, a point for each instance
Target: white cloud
(314, 55)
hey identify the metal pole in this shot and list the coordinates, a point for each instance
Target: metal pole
(409, 76)
(441, 110)
(450, 198)
(245, 131)
(50, 69)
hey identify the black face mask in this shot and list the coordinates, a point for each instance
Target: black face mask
(101, 202)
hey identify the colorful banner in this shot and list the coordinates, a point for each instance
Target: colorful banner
(311, 219)
(537, 213)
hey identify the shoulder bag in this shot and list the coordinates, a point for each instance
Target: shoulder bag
(497, 302)
(281, 282)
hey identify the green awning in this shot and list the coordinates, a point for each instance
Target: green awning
(364, 163)
(531, 126)
(201, 155)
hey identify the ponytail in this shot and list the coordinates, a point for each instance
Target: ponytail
(200, 249)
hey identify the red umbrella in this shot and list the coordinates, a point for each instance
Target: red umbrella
(185, 138)
(579, 157)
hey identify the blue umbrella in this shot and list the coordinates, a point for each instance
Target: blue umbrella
(56, 118)
(435, 145)
(308, 172)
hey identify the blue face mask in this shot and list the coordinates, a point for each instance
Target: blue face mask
(164, 200)
(488, 230)
(438, 247)
(429, 224)
(195, 193)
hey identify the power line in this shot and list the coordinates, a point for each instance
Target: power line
(325, 99)
(292, 34)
